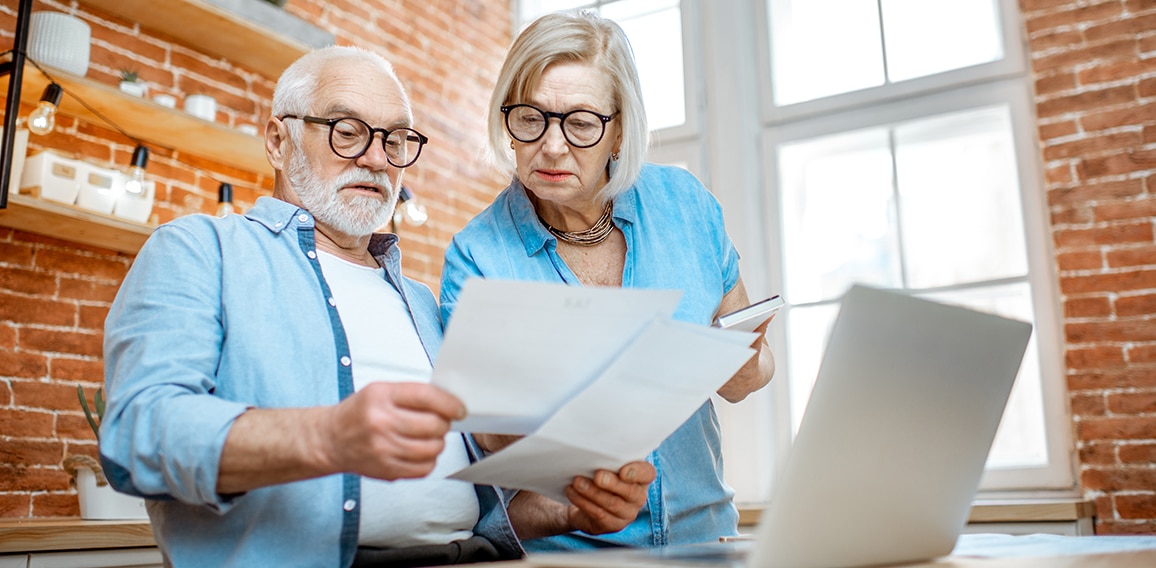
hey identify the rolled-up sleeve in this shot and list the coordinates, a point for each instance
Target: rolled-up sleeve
(163, 431)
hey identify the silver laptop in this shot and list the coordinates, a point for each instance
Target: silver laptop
(890, 450)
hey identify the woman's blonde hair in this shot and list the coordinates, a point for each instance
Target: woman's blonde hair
(574, 37)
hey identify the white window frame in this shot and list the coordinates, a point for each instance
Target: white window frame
(1006, 82)
(1015, 94)
(1013, 64)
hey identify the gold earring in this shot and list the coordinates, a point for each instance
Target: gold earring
(511, 144)
(614, 156)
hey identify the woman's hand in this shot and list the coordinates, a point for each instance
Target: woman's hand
(759, 369)
(610, 501)
(494, 442)
(607, 503)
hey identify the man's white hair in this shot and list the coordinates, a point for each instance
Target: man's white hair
(296, 90)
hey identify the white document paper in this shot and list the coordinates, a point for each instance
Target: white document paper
(515, 352)
(656, 381)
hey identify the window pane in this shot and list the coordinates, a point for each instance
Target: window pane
(959, 199)
(821, 48)
(925, 37)
(808, 329)
(655, 31)
(824, 47)
(531, 9)
(1020, 440)
(837, 215)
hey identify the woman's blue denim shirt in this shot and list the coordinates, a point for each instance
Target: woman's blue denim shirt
(217, 316)
(675, 239)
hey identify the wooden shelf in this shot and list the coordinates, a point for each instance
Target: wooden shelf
(72, 533)
(67, 222)
(251, 33)
(148, 121)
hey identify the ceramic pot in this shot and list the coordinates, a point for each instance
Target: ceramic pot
(201, 106)
(98, 500)
(59, 40)
(103, 502)
(135, 88)
(167, 101)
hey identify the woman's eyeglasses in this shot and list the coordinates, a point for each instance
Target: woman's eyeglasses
(581, 128)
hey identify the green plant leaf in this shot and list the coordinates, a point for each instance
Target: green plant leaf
(99, 400)
(99, 403)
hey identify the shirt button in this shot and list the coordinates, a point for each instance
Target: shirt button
(278, 224)
(311, 254)
(332, 302)
(303, 217)
(349, 505)
(345, 361)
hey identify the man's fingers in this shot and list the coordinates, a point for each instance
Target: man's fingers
(393, 430)
(413, 424)
(428, 398)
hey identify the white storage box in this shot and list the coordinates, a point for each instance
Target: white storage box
(49, 175)
(136, 206)
(99, 188)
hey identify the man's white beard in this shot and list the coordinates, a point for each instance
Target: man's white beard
(352, 214)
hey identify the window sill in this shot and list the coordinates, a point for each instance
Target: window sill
(993, 511)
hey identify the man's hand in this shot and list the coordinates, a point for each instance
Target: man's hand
(385, 430)
(607, 503)
(392, 430)
(610, 501)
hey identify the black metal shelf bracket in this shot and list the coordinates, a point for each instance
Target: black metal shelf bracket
(15, 68)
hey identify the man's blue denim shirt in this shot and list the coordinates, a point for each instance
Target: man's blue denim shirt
(217, 316)
(675, 240)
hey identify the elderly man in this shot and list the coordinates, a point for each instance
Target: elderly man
(267, 374)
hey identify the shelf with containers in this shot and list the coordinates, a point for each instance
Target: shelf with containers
(251, 33)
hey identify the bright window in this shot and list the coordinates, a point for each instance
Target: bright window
(928, 204)
(827, 47)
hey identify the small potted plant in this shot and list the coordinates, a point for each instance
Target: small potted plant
(130, 83)
(98, 500)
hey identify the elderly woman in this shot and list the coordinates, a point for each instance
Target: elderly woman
(566, 118)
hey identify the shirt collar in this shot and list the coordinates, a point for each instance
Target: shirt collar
(275, 214)
(534, 234)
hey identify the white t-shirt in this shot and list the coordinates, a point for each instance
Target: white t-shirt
(384, 346)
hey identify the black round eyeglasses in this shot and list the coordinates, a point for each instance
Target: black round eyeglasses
(581, 128)
(350, 138)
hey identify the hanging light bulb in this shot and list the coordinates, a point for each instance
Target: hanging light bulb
(410, 209)
(136, 172)
(43, 119)
(225, 200)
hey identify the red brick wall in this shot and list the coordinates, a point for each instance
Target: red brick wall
(1095, 71)
(54, 294)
